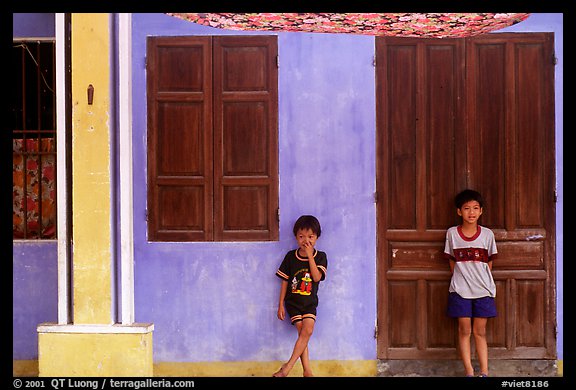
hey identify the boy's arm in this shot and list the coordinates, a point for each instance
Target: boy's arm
(452, 264)
(283, 289)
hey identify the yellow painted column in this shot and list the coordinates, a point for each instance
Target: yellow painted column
(93, 345)
(91, 175)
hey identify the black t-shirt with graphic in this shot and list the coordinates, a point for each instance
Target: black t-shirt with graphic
(302, 290)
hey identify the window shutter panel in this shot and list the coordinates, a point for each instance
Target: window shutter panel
(180, 155)
(245, 138)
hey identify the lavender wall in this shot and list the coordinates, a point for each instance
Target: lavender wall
(34, 294)
(33, 25)
(218, 301)
(34, 263)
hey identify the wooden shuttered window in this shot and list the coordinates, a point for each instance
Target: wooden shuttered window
(212, 138)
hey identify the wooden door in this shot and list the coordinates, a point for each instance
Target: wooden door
(454, 114)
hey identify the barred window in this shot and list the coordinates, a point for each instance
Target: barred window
(33, 123)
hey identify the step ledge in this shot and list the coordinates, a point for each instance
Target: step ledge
(95, 328)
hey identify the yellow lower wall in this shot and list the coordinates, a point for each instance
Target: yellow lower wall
(330, 368)
(95, 354)
(23, 368)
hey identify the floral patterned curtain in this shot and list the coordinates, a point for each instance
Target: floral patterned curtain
(430, 25)
(34, 188)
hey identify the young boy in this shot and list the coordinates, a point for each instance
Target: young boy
(301, 272)
(471, 248)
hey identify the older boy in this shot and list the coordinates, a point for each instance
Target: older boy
(471, 248)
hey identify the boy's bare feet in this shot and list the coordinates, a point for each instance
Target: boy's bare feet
(307, 374)
(281, 372)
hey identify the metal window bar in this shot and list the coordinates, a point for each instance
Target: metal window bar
(35, 121)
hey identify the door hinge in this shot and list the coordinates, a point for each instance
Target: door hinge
(278, 214)
(375, 196)
(554, 59)
(374, 60)
(375, 331)
(278, 61)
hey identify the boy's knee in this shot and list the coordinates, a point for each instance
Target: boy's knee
(479, 332)
(465, 330)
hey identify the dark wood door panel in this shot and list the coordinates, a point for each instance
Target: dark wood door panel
(418, 327)
(404, 302)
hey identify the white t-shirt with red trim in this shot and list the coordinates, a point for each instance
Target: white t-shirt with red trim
(472, 277)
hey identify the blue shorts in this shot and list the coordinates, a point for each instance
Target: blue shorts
(478, 307)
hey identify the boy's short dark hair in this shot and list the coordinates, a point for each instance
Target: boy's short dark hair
(307, 222)
(467, 196)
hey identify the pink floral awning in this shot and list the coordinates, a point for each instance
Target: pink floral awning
(424, 25)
